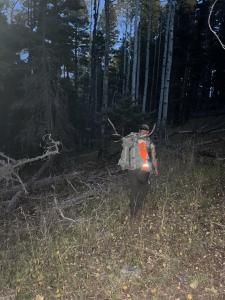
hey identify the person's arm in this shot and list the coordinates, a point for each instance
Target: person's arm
(154, 159)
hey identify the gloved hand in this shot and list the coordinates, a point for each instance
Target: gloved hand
(156, 172)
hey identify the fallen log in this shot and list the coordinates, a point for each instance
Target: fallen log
(90, 182)
(32, 186)
(209, 142)
(213, 130)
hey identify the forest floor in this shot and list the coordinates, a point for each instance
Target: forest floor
(175, 249)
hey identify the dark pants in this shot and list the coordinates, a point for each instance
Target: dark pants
(138, 185)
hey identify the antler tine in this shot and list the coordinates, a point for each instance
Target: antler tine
(153, 129)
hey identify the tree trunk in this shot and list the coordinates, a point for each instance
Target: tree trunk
(169, 65)
(153, 77)
(45, 70)
(76, 63)
(154, 96)
(106, 67)
(135, 57)
(125, 57)
(92, 92)
(147, 64)
(138, 64)
(164, 63)
(129, 61)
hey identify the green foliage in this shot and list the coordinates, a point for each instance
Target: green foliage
(55, 40)
(112, 24)
(59, 86)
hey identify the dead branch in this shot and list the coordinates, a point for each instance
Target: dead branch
(217, 129)
(38, 184)
(209, 142)
(210, 155)
(12, 204)
(206, 154)
(86, 186)
(113, 126)
(61, 212)
(210, 27)
(10, 167)
(51, 149)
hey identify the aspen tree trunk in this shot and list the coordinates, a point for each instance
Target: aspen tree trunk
(153, 77)
(93, 87)
(125, 57)
(138, 63)
(129, 61)
(29, 13)
(135, 60)
(165, 54)
(106, 63)
(76, 63)
(105, 77)
(90, 44)
(155, 87)
(45, 69)
(147, 62)
(169, 65)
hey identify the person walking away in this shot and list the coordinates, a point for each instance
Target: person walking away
(139, 158)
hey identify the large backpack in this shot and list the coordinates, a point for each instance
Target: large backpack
(135, 153)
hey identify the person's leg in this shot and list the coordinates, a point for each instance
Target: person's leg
(138, 181)
(142, 183)
(133, 188)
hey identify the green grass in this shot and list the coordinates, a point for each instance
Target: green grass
(177, 244)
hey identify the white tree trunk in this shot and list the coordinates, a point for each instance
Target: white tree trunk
(125, 56)
(92, 80)
(129, 61)
(138, 64)
(106, 62)
(164, 63)
(169, 65)
(135, 59)
(147, 64)
(154, 89)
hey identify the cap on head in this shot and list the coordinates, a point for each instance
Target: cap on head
(144, 127)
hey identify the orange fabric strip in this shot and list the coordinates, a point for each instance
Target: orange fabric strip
(143, 150)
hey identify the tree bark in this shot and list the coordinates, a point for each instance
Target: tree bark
(165, 61)
(138, 64)
(169, 65)
(92, 92)
(129, 61)
(135, 58)
(155, 90)
(147, 63)
(125, 57)
(106, 62)
(45, 68)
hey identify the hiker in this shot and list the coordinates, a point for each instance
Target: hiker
(139, 158)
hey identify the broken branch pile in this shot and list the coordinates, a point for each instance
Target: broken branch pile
(10, 180)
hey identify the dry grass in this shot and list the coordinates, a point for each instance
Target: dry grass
(177, 245)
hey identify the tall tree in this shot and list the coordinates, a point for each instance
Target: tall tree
(93, 87)
(147, 59)
(106, 61)
(135, 54)
(167, 63)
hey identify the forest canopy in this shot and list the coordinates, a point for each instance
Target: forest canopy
(65, 66)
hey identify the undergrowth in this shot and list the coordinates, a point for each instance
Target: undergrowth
(175, 249)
